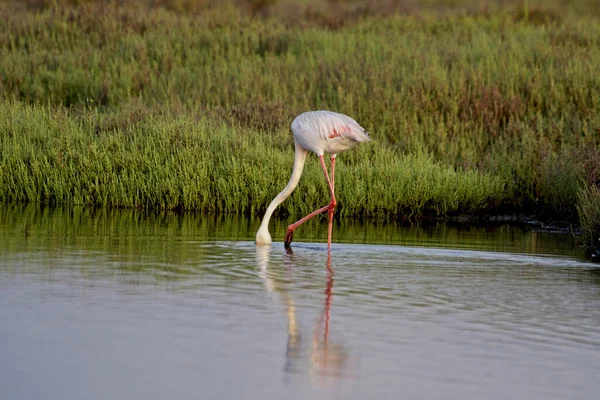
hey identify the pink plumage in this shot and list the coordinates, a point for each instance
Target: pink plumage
(327, 132)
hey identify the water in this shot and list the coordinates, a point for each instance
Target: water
(103, 304)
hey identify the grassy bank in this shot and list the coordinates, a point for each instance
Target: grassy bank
(187, 105)
(192, 162)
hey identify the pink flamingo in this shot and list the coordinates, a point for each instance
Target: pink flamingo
(320, 132)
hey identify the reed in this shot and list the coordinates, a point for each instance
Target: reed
(190, 162)
(588, 206)
(188, 106)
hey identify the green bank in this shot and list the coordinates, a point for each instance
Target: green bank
(157, 107)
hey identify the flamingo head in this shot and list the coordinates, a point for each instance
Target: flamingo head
(263, 236)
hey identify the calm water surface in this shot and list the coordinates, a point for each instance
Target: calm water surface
(102, 304)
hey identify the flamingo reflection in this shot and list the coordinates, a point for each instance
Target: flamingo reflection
(320, 358)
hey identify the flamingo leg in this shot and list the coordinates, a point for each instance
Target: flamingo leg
(331, 210)
(331, 206)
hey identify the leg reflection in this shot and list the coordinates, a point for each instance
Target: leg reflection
(327, 359)
(320, 357)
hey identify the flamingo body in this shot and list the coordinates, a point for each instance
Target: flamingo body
(327, 132)
(320, 132)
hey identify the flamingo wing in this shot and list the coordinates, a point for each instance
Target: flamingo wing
(347, 128)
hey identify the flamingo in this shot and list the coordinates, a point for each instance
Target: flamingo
(320, 132)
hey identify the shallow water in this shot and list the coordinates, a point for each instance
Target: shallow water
(103, 304)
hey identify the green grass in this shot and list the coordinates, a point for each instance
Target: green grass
(191, 162)
(188, 105)
(588, 206)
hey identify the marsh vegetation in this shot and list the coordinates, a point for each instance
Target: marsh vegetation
(475, 108)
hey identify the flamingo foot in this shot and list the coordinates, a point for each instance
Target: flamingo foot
(288, 238)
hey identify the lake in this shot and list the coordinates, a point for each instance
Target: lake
(123, 304)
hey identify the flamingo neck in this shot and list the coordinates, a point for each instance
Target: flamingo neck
(262, 235)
